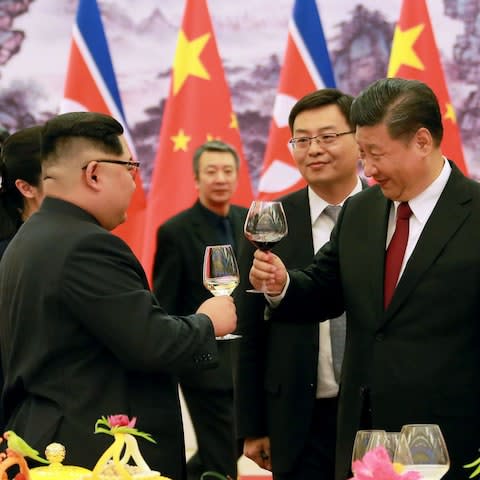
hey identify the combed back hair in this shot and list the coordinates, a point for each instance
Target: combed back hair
(322, 98)
(213, 146)
(100, 130)
(19, 159)
(403, 105)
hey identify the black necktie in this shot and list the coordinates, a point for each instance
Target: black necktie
(227, 233)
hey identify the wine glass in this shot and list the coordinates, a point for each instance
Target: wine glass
(363, 442)
(220, 274)
(423, 450)
(265, 226)
(388, 440)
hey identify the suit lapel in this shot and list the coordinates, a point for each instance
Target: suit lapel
(377, 238)
(238, 219)
(297, 211)
(203, 229)
(452, 209)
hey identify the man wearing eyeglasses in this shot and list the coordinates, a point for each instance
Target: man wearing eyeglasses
(288, 375)
(181, 242)
(82, 335)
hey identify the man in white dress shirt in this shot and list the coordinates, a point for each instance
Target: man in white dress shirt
(288, 377)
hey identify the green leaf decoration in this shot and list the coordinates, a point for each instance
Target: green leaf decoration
(102, 426)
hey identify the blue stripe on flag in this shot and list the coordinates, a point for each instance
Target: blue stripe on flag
(307, 21)
(90, 25)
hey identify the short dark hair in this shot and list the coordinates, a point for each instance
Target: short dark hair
(20, 159)
(213, 146)
(403, 105)
(322, 98)
(101, 130)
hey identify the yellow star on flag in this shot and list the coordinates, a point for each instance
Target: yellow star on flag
(180, 141)
(402, 50)
(187, 60)
(450, 113)
(210, 137)
(233, 121)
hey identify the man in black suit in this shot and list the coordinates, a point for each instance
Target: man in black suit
(412, 350)
(287, 380)
(82, 335)
(178, 285)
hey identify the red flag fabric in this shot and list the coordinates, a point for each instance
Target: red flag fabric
(198, 109)
(306, 67)
(91, 86)
(415, 56)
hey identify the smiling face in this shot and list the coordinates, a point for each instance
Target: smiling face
(325, 165)
(402, 167)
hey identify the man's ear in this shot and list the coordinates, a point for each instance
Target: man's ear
(424, 140)
(24, 188)
(91, 176)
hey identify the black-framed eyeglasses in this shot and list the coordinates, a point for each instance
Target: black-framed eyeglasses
(324, 139)
(132, 167)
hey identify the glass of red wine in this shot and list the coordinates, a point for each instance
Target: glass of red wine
(265, 226)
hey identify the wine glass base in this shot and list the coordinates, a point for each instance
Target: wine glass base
(228, 336)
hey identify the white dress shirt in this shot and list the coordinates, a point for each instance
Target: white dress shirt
(422, 207)
(322, 226)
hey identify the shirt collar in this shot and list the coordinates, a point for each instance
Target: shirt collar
(422, 205)
(318, 204)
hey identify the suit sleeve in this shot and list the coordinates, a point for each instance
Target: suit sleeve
(316, 288)
(167, 271)
(104, 288)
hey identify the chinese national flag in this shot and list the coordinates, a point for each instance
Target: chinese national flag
(415, 56)
(198, 109)
(91, 86)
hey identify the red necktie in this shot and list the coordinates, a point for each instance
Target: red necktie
(396, 251)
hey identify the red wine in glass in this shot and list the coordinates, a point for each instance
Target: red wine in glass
(265, 226)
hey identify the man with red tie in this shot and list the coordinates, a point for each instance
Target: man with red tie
(404, 263)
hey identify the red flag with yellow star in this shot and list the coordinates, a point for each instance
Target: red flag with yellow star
(415, 56)
(198, 109)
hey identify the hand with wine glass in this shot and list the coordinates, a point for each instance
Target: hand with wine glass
(422, 449)
(265, 226)
(220, 274)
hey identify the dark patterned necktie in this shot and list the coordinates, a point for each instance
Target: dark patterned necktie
(396, 251)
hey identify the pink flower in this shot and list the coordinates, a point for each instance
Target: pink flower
(121, 421)
(376, 465)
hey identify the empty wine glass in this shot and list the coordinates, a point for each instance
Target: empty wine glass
(363, 441)
(265, 226)
(388, 440)
(423, 450)
(220, 274)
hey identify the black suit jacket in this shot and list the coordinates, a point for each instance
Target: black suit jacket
(178, 282)
(418, 361)
(82, 337)
(269, 397)
(277, 362)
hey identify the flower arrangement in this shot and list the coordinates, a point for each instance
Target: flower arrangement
(114, 424)
(114, 462)
(376, 464)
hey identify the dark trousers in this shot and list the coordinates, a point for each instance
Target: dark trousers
(211, 412)
(317, 459)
